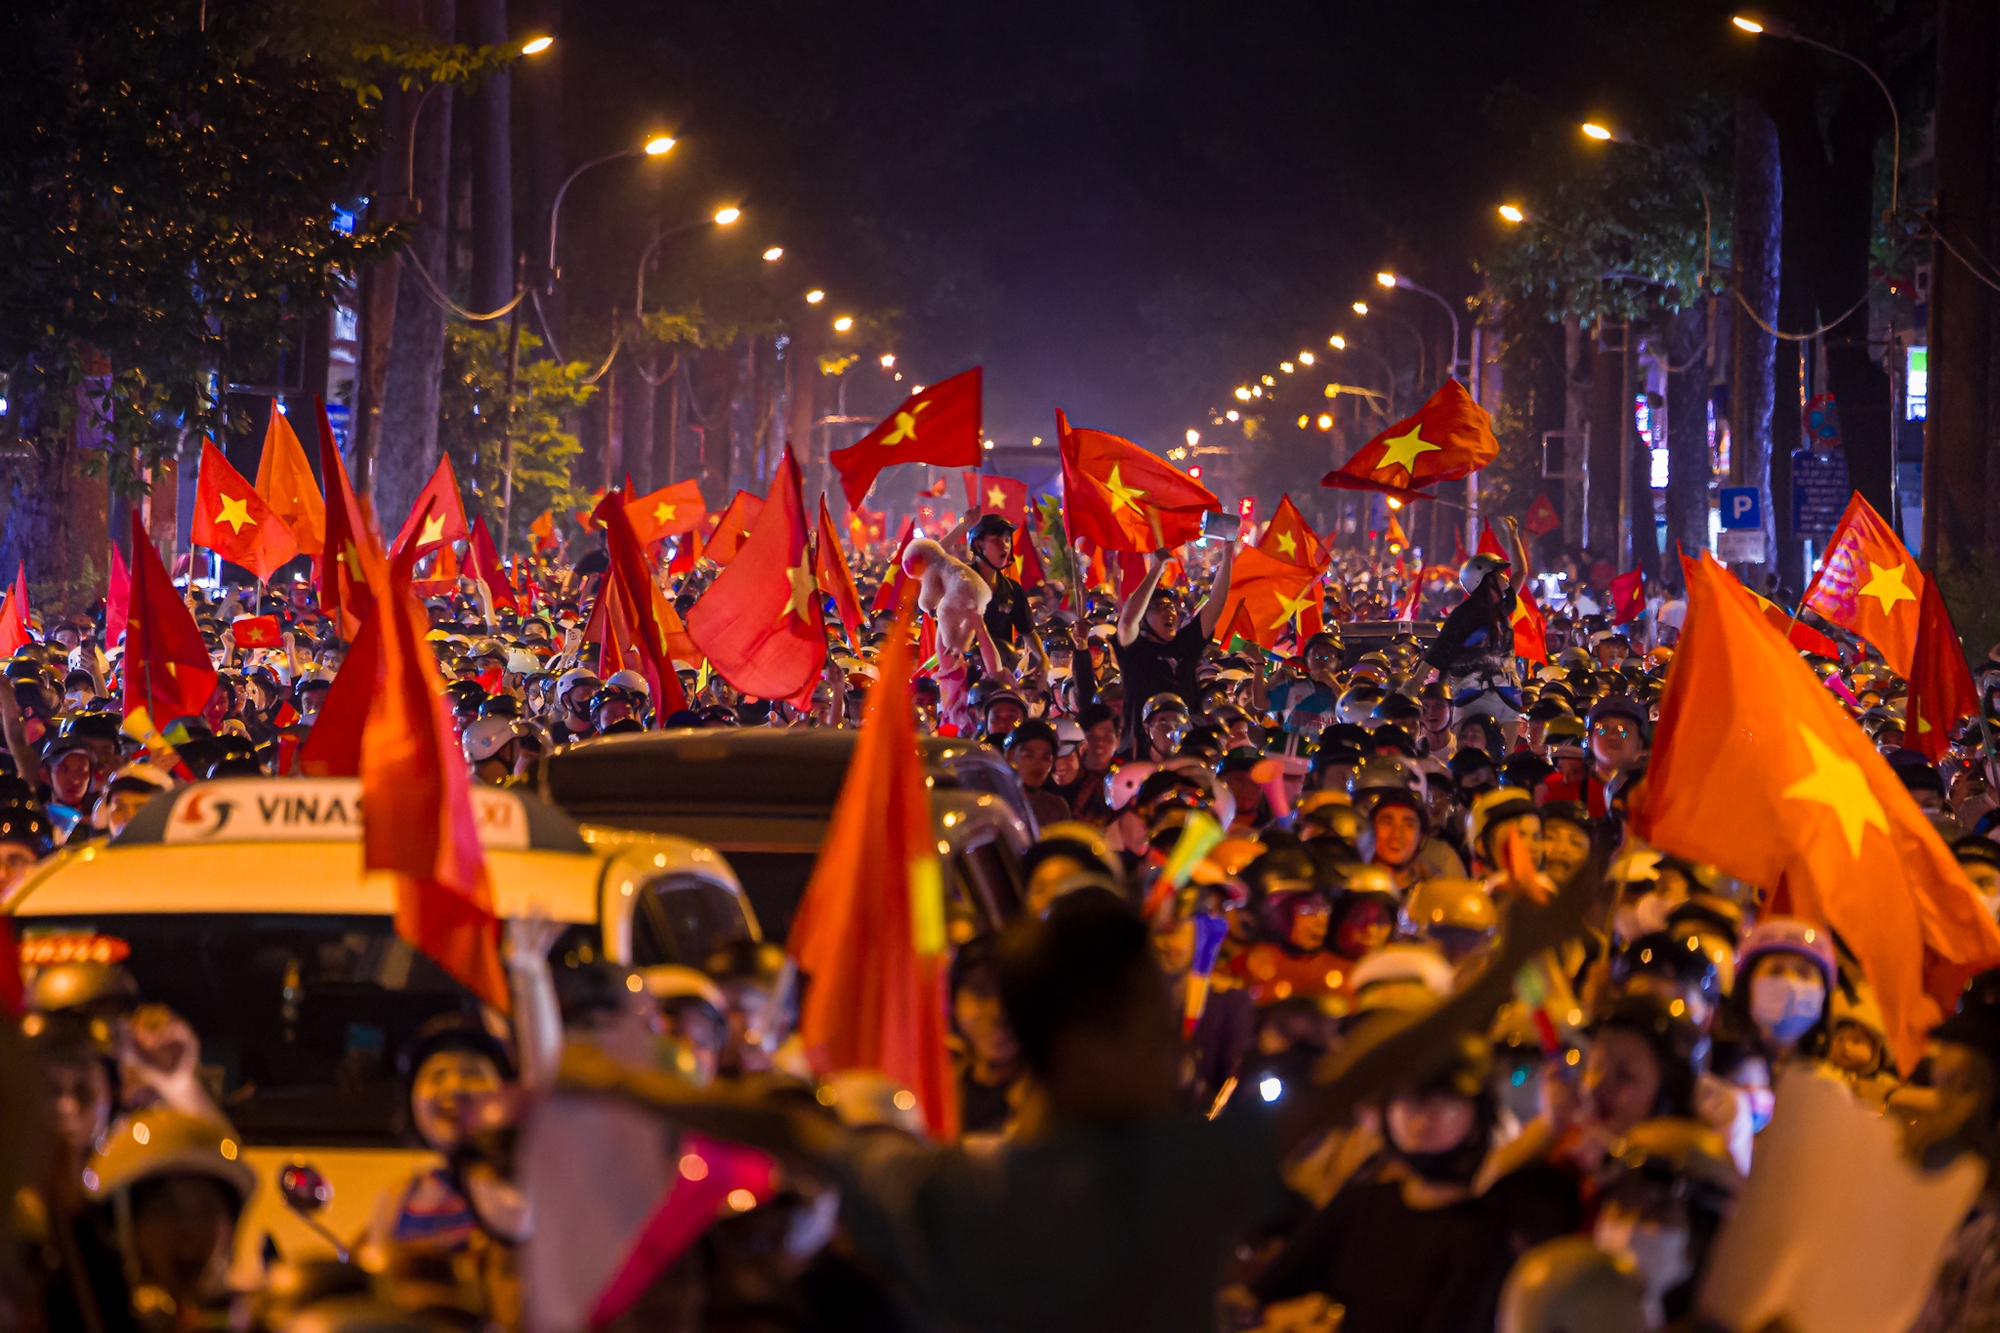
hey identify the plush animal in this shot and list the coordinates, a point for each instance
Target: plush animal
(950, 591)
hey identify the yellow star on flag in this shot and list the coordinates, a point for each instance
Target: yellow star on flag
(1122, 496)
(906, 426)
(663, 512)
(1838, 783)
(433, 530)
(1887, 586)
(1290, 607)
(997, 498)
(1402, 450)
(235, 513)
(804, 586)
(1287, 544)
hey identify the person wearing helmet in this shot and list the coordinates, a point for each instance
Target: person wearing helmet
(1494, 813)
(26, 836)
(1666, 1189)
(1156, 653)
(1031, 752)
(1979, 857)
(1570, 1284)
(574, 690)
(493, 748)
(619, 704)
(1857, 1046)
(1456, 915)
(691, 1007)
(1307, 701)
(991, 544)
(1673, 970)
(1617, 746)
(1001, 709)
(1164, 722)
(1965, 1071)
(1777, 1012)
(1474, 651)
(130, 788)
(1434, 735)
(991, 1076)
(1389, 794)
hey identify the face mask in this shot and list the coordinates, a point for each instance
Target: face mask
(1660, 1252)
(1785, 1007)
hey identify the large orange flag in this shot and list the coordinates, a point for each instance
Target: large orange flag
(344, 597)
(610, 627)
(1941, 688)
(234, 521)
(939, 425)
(668, 511)
(482, 562)
(1870, 585)
(414, 778)
(438, 516)
(285, 480)
(759, 622)
(657, 627)
(732, 527)
(168, 674)
(1449, 437)
(893, 578)
(1124, 498)
(1271, 594)
(117, 598)
(1757, 769)
(835, 579)
(14, 630)
(870, 927)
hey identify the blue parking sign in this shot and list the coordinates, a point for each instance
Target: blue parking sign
(1742, 507)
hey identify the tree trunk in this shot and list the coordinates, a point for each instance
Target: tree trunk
(676, 379)
(1610, 417)
(801, 409)
(712, 387)
(639, 427)
(484, 23)
(1576, 420)
(617, 391)
(1687, 436)
(409, 443)
(1754, 243)
(1961, 458)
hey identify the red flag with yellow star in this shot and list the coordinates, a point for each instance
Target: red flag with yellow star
(1124, 498)
(658, 632)
(1449, 437)
(1270, 594)
(759, 622)
(168, 673)
(1758, 770)
(1004, 496)
(1870, 585)
(668, 511)
(1941, 688)
(235, 522)
(1290, 538)
(438, 516)
(344, 597)
(940, 424)
(893, 577)
(732, 526)
(1396, 538)
(835, 579)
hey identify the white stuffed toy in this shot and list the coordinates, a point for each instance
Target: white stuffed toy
(951, 591)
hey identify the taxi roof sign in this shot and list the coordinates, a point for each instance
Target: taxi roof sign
(270, 810)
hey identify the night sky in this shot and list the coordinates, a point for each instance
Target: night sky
(1120, 207)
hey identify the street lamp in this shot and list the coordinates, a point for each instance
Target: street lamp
(1337, 343)
(843, 324)
(1595, 131)
(1360, 307)
(1385, 279)
(656, 146)
(534, 46)
(725, 216)
(1592, 130)
(774, 254)
(722, 218)
(815, 296)
(1512, 213)
(1764, 25)
(1305, 358)
(888, 360)
(1398, 280)
(1193, 437)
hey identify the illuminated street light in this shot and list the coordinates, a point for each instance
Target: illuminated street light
(1286, 366)
(1512, 212)
(1233, 415)
(658, 145)
(1386, 279)
(725, 216)
(1593, 130)
(843, 324)
(1766, 26)
(1360, 307)
(1194, 437)
(1257, 390)
(1243, 392)
(774, 254)
(888, 360)
(1303, 420)
(1325, 421)
(1394, 503)
(815, 296)
(534, 46)
(1271, 381)
(1337, 343)
(1305, 358)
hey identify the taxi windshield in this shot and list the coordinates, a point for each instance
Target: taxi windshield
(303, 1018)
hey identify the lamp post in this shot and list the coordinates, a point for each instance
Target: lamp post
(1763, 25)
(1394, 280)
(1612, 134)
(657, 146)
(723, 217)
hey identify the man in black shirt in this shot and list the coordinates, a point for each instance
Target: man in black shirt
(1156, 653)
(991, 542)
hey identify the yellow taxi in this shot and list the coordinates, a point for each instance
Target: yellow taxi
(242, 905)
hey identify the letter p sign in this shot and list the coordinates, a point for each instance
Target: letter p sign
(1742, 507)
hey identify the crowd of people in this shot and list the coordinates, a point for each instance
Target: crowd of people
(1341, 996)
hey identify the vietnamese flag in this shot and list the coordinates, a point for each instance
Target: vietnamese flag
(668, 511)
(285, 480)
(442, 581)
(332, 748)
(257, 632)
(834, 578)
(1396, 539)
(610, 627)
(1004, 496)
(1124, 498)
(167, 671)
(1801, 636)
(14, 631)
(1870, 585)
(482, 561)
(939, 424)
(657, 628)
(543, 530)
(438, 516)
(1941, 688)
(1628, 596)
(732, 527)
(1758, 770)
(1531, 629)
(344, 597)
(1449, 437)
(233, 520)
(413, 776)
(870, 929)
(1290, 538)
(1267, 593)
(1029, 561)
(893, 577)
(759, 622)
(686, 551)
(586, 516)
(117, 597)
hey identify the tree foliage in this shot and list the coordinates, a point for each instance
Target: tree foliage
(472, 422)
